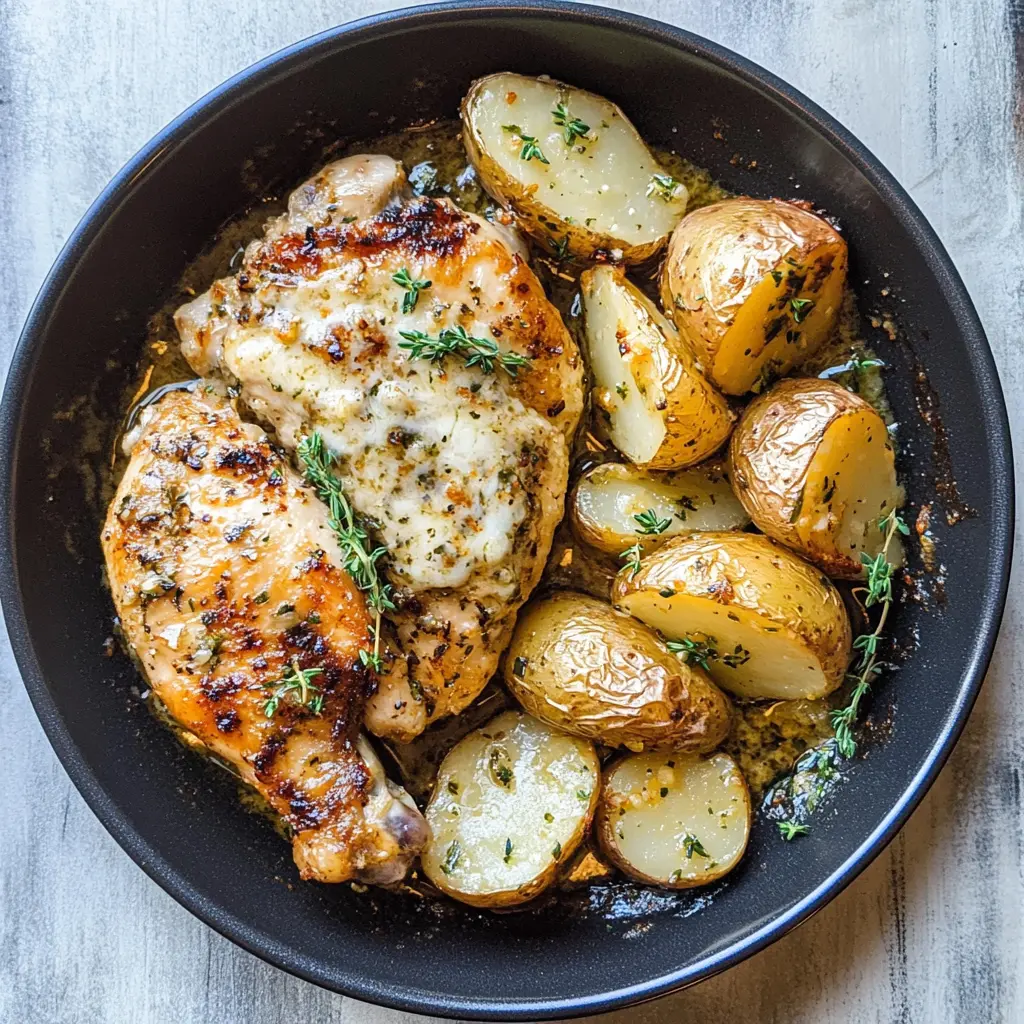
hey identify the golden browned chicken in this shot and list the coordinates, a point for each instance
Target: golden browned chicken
(417, 341)
(227, 580)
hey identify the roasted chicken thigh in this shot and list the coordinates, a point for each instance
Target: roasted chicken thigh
(226, 578)
(417, 341)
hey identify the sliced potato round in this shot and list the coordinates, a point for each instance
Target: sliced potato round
(577, 663)
(813, 465)
(608, 499)
(764, 622)
(570, 166)
(755, 285)
(512, 801)
(659, 409)
(677, 821)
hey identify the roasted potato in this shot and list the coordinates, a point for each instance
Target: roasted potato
(594, 672)
(571, 167)
(765, 623)
(608, 498)
(755, 285)
(674, 820)
(813, 465)
(659, 409)
(512, 801)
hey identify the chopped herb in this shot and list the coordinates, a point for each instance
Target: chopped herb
(361, 560)
(261, 598)
(519, 668)
(651, 523)
(451, 857)
(453, 788)
(549, 817)
(777, 276)
(740, 656)
(789, 829)
(801, 307)
(313, 618)
(622, 390)
(692, 845)
(531, 148)
(664, 186)
(583, 794)
(560, 249)
(508, 851)
(556, 851)
(574, 127)
(480, 352)
(285, 609)
(675, 876)
(412, 289)
(666, 592)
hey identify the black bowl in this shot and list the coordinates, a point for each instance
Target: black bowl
(262, 131)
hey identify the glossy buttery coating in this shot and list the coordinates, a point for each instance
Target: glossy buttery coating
(767, 253)
(461, 473)
(225, 574)
(580, 665)
(813, 465)
(594, 196)
(789, 614)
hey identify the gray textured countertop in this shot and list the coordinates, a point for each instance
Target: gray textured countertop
(932, 932)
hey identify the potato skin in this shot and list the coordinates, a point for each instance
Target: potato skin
(534, 215)
(591, 671)
(697, 419)
(720, 253)
(771, 452)
(742, 570)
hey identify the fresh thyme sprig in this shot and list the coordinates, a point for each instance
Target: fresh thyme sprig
(790, 829)
(361, 559)
(651, 523)
(480, 352)
(296, 679)
(801, 308)
(574, 127)
(877, 591)
(700, 652)
(664, 186)
(632, 556)
(531, 148)
(692, 845)
(412, 288)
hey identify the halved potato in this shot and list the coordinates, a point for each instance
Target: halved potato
(755, 285)
(608, 498)
(813, 465)
(512, 801)
(659, 409)
(766, 623)
(677, 821)
(571, 167)
(594, 672)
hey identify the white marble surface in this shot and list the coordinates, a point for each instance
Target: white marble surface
(933, 931)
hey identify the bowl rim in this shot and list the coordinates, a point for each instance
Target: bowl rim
(982, 367)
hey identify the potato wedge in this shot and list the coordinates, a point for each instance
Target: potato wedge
(814, 467)
(764, 622)
(659, 409)
(674, 820)
(602, 193)
(512, 801)
(583, 667)
(755, 285)
(608, 498)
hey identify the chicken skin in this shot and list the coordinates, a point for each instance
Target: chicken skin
(416, 340)
(226, 577)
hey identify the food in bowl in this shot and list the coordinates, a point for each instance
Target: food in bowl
(349, 532)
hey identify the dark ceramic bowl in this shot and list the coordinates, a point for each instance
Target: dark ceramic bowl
(264, 130)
